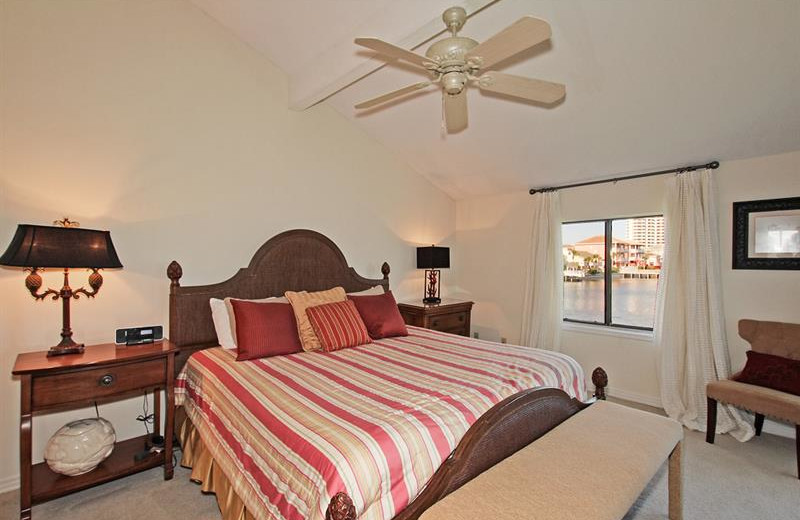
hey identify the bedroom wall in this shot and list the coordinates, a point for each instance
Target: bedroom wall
(493, 240)
(149, 119)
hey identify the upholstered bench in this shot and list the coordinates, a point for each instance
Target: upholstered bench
(593, 466)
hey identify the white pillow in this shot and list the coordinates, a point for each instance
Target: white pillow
(376, 290)
(225, 321)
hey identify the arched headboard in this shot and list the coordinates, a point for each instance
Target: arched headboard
(295, 260)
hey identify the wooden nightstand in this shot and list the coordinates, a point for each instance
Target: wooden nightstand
(449, 316)
(102, 373)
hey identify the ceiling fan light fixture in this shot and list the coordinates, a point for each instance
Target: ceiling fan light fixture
(453, 82)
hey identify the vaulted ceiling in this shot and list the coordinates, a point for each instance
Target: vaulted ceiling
(649, 84)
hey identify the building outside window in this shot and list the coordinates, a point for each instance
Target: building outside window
(611, 270)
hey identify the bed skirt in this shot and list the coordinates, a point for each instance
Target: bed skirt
(205, 471)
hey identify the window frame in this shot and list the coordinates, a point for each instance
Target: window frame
(607, 274)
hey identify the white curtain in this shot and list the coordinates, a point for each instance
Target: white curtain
(542, 312)
(690, 324)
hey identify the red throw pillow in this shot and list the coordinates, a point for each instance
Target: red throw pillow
(380, 315)
(338, 325)
(776, 372)
(264, 330)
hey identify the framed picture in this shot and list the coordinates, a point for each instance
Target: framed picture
(766, 234)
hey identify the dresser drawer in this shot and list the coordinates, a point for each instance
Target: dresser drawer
(95, 383)
(454, 322)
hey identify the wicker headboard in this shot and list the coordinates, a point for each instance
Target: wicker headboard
(296, 260)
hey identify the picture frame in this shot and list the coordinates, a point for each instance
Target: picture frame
(766, 234)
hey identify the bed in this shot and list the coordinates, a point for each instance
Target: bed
(374, 432)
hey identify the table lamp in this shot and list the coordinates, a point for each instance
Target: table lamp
(66, 247)
(432, 259)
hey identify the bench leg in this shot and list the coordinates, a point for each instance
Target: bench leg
(675, 478)
(711, 425)
(759, 423)
(797, 446)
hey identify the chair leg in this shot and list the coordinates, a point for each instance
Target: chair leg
(675, 483)
(711, 425)
(759, 423)
(797, 446)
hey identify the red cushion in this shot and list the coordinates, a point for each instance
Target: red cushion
(380, 315)
(265, 329)
(776, 372)
(338, 325)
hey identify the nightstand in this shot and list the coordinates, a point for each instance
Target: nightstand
(102, 373)
(451, 316)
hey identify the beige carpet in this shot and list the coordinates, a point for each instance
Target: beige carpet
(728, 480)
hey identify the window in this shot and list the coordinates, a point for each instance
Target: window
(611, 270)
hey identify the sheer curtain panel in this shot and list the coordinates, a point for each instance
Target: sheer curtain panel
(690, 323)
(542, 309)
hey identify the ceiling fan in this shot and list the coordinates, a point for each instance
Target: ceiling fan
(456, 62)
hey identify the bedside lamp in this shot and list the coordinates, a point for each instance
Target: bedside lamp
(67, 247)
(432, 259)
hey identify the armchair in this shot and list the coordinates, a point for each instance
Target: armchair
(767, 337)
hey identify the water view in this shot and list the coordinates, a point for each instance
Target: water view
(634, 301)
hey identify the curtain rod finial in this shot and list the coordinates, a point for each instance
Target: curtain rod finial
(713, 165)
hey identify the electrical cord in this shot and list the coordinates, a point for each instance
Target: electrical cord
(146, 417)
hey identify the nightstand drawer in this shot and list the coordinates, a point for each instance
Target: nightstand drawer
(448, 322)
(96, 383)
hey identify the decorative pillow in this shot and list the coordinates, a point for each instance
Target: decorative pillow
(778, 373)
(338, 325)
(224, 321)
(265, 329)
(375, 290)
(380, 315)
(301, 301)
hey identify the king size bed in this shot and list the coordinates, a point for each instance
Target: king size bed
(376, 431)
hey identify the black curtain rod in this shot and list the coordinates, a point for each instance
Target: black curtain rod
(713, 165)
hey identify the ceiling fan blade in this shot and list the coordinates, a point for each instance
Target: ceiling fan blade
(520, 35)
(455, 111)
(393, 51)
(391, 95)
(525, 88)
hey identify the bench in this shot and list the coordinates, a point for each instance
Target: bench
(592, 466)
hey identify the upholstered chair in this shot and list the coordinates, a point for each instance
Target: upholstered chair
(767, 337)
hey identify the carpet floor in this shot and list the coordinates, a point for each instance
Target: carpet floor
(730, 480)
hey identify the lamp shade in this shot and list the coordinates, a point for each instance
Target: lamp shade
(433, 257)
(63, 247)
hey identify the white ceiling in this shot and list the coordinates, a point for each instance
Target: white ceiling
(650, 84)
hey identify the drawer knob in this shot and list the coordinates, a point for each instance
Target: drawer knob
(107, 380)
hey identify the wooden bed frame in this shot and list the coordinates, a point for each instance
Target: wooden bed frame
(302, 259)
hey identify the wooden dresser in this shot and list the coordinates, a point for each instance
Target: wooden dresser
(451, 316)
(102, 373)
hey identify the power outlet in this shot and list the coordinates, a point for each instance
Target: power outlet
(476, 335)
(503, 340)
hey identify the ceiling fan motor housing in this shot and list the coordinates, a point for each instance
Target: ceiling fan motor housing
(452, 48)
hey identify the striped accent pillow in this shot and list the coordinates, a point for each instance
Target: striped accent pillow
(338, 325)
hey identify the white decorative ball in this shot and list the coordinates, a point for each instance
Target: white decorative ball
(79, 446)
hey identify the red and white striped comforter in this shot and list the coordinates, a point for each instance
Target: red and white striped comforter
(374, 421)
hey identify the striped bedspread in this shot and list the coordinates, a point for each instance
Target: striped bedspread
(375, 421)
